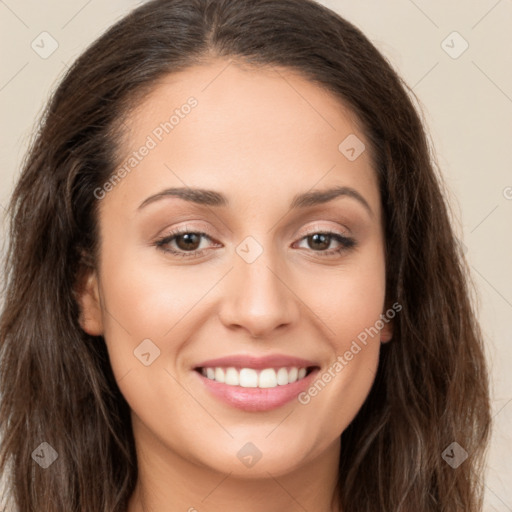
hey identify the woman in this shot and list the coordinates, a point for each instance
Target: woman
(173, 338)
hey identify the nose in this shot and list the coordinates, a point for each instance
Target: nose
(257, 297)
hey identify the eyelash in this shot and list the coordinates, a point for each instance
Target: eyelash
(346, 243)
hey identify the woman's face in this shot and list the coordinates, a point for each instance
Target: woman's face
(264, 285)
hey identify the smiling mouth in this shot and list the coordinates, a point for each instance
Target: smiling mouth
(253, 378)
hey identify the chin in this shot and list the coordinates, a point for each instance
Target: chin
(256, 459)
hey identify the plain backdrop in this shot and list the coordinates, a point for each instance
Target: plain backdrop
(455, 56)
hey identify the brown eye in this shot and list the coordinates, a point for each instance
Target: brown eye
(188, 241)
(320, 240)
(183, 243)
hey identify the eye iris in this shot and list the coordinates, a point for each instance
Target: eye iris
(189, 238)
(323, 238)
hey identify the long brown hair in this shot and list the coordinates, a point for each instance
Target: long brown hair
(56, 383)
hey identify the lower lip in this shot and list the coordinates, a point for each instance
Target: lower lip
(257, 399)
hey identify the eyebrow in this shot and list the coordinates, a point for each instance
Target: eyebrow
(213, 198)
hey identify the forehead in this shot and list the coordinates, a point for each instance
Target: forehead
(242, 95)
(266, 130)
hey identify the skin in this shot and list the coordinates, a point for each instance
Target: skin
(259, 136)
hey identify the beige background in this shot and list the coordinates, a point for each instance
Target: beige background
(466, 102)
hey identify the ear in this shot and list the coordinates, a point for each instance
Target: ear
(88, 298)
(386, 333)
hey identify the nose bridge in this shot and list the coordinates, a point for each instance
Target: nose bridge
(258, 298)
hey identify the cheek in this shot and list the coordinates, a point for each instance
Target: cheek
(342, 385)
(148, 293)
(146, 302)
(349, 303)
(157, 303)
(346, 299)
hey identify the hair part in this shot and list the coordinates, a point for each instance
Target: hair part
(56, 383)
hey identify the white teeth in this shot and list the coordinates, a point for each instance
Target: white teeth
(251, 378)
(219, 375)
(248, 378)
(282, 376)
(232, 377)
(268, 378)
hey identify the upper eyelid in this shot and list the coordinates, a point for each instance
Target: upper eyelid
(309, 231)
(316, 228)
(319, 229)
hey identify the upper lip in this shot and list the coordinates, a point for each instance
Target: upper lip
(257, 362)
